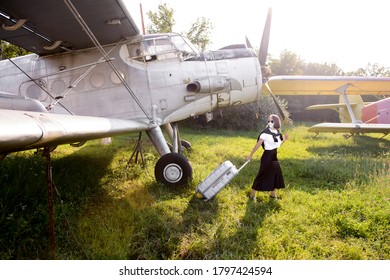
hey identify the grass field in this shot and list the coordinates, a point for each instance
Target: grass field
(336, 204)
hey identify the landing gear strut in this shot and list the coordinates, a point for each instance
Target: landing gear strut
(172, 169)
(50, 189)
(138, 150)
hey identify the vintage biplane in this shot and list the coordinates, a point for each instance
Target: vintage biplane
(93, 75)
(356, 116)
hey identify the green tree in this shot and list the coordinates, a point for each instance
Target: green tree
(288, 63)
(372, 70)
(8, 50)
(199, 33)
(325, 69)
(162, 20)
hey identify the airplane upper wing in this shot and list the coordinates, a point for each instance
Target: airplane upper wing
(50, 22)
(327, 85)
(23, 130)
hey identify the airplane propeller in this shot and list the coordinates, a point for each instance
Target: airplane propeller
(262, 56)
(263, 51)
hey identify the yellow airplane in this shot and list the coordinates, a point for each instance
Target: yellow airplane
(356, 116)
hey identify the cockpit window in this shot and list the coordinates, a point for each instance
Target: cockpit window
(183, 45)
(161, 47)
(157, 46)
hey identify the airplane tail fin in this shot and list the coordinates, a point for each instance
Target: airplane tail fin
(357, 106)
(377, 112)
(356, 103)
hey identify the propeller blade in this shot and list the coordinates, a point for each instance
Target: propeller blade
(265, 71)
(281, 113)
(248, 43)
(263, 51)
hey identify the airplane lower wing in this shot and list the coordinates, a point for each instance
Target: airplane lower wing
(327, 85)
(24, 130)
(335, 106)
(351, 128)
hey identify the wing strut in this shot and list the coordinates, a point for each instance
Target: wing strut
(95, 41)
(342, 91)
(80, 78)
(35, 82)
(50, 189)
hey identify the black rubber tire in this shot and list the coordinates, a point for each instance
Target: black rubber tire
(186, 144)
(173, 169)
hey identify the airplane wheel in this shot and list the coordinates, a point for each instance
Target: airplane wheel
(186, 144)
(173, 169)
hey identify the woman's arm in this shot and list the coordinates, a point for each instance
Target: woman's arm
(255, 148)
(285, 138)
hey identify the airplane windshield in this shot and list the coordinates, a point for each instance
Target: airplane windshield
(161, 47)
(182, 44)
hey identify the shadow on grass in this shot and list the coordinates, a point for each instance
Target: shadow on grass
(245, 234)
(312, 175)
(24, 218)
(225, 240)
(363, 146)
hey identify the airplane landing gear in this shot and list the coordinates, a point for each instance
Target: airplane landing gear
(173, 169)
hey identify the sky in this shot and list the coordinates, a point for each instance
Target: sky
(350, 34)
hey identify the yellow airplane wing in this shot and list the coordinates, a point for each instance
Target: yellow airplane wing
(327, 85)
(24, 130)
(351, 128)
(334, 106)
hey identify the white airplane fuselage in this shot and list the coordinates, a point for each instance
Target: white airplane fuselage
(171, 83)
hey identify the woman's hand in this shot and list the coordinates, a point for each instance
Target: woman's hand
(286, 136)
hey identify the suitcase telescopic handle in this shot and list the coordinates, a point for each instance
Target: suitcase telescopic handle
(242, 166)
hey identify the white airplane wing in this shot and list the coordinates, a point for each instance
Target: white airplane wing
(23, 130)
(58, 31)
(22, 24)
(327, 85)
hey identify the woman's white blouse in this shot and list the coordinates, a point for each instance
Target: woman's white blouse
(269, 143)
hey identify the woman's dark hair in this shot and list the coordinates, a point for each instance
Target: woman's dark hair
(276, 120)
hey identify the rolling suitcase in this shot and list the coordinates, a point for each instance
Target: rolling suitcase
(217, 179)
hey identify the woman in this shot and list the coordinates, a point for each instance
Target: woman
(270, 175)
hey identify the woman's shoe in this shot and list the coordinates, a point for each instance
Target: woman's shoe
(252, 198)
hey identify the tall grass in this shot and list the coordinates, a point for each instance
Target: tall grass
(335, 205)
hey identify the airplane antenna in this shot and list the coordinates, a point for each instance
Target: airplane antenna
(142, 19)
(97, 44)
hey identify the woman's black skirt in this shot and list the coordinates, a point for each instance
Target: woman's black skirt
(270, 175)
